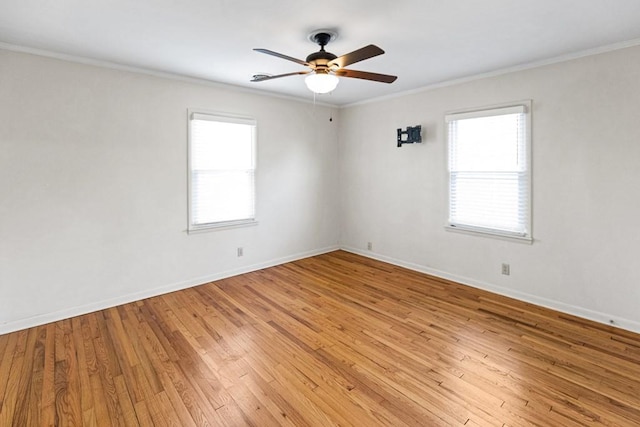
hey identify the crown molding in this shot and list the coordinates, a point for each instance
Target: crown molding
(154, 73)
(508, 70)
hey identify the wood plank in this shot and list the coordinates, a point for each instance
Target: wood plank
(48, 396)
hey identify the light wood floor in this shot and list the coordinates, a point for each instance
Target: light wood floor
(332, 340)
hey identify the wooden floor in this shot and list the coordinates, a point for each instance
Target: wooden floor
(332, 340)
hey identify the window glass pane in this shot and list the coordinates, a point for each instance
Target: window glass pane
(487, 144)
(219, 145)
(222, 196)
(489, 200)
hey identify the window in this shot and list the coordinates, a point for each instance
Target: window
(221, 171)
(489, 171)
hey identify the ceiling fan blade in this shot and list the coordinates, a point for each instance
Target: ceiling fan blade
(263, 77)
(356, 56)
(279, 55)
(384, 78)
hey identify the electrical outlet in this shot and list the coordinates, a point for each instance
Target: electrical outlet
(369, 246)
(506, 270)
(240, 252)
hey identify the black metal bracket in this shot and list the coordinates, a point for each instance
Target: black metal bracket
(409, 136)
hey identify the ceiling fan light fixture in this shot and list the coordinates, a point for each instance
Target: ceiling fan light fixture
(325, 67)
(321, 82)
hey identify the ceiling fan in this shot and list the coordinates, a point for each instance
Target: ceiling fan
(326, 67)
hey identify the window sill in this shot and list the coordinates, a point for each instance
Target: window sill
(222, 226)
(488, 233)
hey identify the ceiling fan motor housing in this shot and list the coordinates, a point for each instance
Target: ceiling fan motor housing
(321, 58)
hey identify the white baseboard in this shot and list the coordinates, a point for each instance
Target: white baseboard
(622, 323)
(45, 318)
(67, 313)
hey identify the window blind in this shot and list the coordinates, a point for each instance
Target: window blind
(489, 171)
(222, 170)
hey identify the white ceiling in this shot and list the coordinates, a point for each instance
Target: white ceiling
(426, 41)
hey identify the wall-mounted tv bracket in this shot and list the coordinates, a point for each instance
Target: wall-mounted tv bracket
(409, 136)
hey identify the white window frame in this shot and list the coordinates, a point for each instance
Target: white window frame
(227, 118)
(506, 108)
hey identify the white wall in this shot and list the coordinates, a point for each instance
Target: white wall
(93, 187)
(93, 204)
(586, 187)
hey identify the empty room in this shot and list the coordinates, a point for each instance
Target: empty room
(338, 213)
